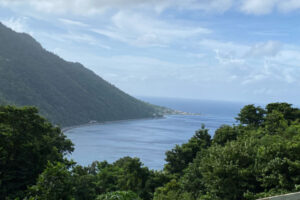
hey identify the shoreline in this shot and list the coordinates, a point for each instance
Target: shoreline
(65, 129)
(174, 112)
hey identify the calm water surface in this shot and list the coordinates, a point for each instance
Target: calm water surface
(149, 139)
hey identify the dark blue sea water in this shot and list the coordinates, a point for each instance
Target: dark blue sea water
(149, 139)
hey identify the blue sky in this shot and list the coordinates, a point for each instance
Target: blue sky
(235, 50)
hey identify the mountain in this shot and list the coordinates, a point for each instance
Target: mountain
(66, 93)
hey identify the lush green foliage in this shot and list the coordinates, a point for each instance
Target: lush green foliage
(258, 157)
(226, 133)
(179, 157)
(54, 183)
(65, 92)
(251, 115)
(98, 181)
(119, 195)
(27, 143)
(32, 164)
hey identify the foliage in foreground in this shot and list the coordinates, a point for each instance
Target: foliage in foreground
(258, 157)
(119, 195)
(27, 143)
(123, 179)
(32, 164)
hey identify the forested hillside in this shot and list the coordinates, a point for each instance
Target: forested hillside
(66, 93)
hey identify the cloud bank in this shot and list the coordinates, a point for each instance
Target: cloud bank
(90, 7)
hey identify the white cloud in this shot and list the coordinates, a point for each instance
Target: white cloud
(272, 73)
(71, 38)
(16, 24)
(258, 6)
(72, 22)
(85, 38)
(289, 56)
(227, 46)
(86, 7)
(261, 7)
(289, 5)
(226, 53)
(227, 58)
(110, 34)
(269, 63)
(90, 7)
(196, 55)
(265, 49)
(263, 91)
(141, 30)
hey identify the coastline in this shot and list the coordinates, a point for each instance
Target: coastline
(167, 113)
(65, 129)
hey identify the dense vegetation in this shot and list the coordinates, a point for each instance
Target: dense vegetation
(258, 157)
(66, 93)
(27, 144)
(32, 165)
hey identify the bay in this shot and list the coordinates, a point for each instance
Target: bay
(149, 139)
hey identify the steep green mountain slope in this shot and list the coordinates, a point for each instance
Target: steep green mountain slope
(66, 93)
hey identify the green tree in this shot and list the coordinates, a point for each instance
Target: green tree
(133, 176)
(119, 195)
(54, 183)
(251, 115)
(179, 157)
(225, 134)
(247, 168)
(171, 191)
(27, 143)
(243, 162)
(275, 122)
(128, 174)
(289, 113)
(227, 172)
(84, 182)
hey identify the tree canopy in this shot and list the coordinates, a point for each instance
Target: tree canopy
(27, 143)
(256, 158)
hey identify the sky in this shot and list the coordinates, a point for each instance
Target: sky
(233, 50)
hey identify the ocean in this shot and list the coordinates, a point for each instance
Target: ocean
(149, 139)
